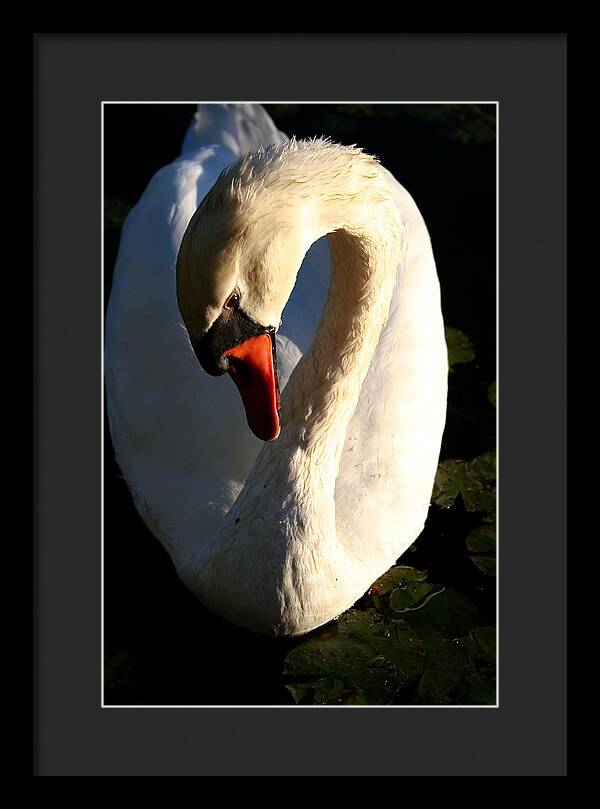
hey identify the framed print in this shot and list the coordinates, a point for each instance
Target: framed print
(388, 641)
(165, 251)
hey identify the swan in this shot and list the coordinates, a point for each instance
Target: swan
(303, 270)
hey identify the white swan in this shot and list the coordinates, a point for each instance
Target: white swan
(278, 537)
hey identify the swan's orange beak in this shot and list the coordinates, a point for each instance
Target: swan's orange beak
(253, 368)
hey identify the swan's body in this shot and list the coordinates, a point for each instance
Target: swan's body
(279, 537)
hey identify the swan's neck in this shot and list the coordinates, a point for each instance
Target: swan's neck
(356, 208)
(281, 201)
(322, 394)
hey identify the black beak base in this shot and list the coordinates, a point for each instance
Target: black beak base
(230, 329)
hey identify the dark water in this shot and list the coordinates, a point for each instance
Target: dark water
(168, 648)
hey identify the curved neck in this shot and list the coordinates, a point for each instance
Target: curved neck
(301, 192)
(288, 197)
(323, 392)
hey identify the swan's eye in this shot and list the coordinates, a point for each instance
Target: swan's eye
(232, 302)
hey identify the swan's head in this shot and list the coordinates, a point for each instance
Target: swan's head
(236, 268)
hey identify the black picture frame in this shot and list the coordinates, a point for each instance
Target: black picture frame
(73, 74)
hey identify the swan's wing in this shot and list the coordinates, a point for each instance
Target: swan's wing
(240, 128)
(180, 436)
(167, 417)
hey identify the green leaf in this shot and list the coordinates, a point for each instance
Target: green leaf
(397, 577)
(481, 643)
(460, 671)
(408, 595)
(397, 651)
(446, 665)
(492, 394)
(400, 655)
(486, 564)
(473, 480)
(482, 539)
(373, 657)
(483, 466)
(450, 478)
(361, 624)
(444, 610)
(325, 691)
(476, 690)
(330, 657)
(481, 542)
(374, 660)
(460, 347)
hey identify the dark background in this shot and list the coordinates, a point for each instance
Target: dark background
(161, 645)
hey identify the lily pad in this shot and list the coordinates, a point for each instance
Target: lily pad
(324, 691)
(446, 665)
(482, 539)
(481, 643)
(445, 611)
(485, 564)
(481, 542)
(483, 466)
(476, 690)
(398, 577)
(460, 347)
(398, 651)
(460, 671)
(474, 480)
(330, 657)
(372, 657)
(400, 654)
(361, 624)
(410, 596)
